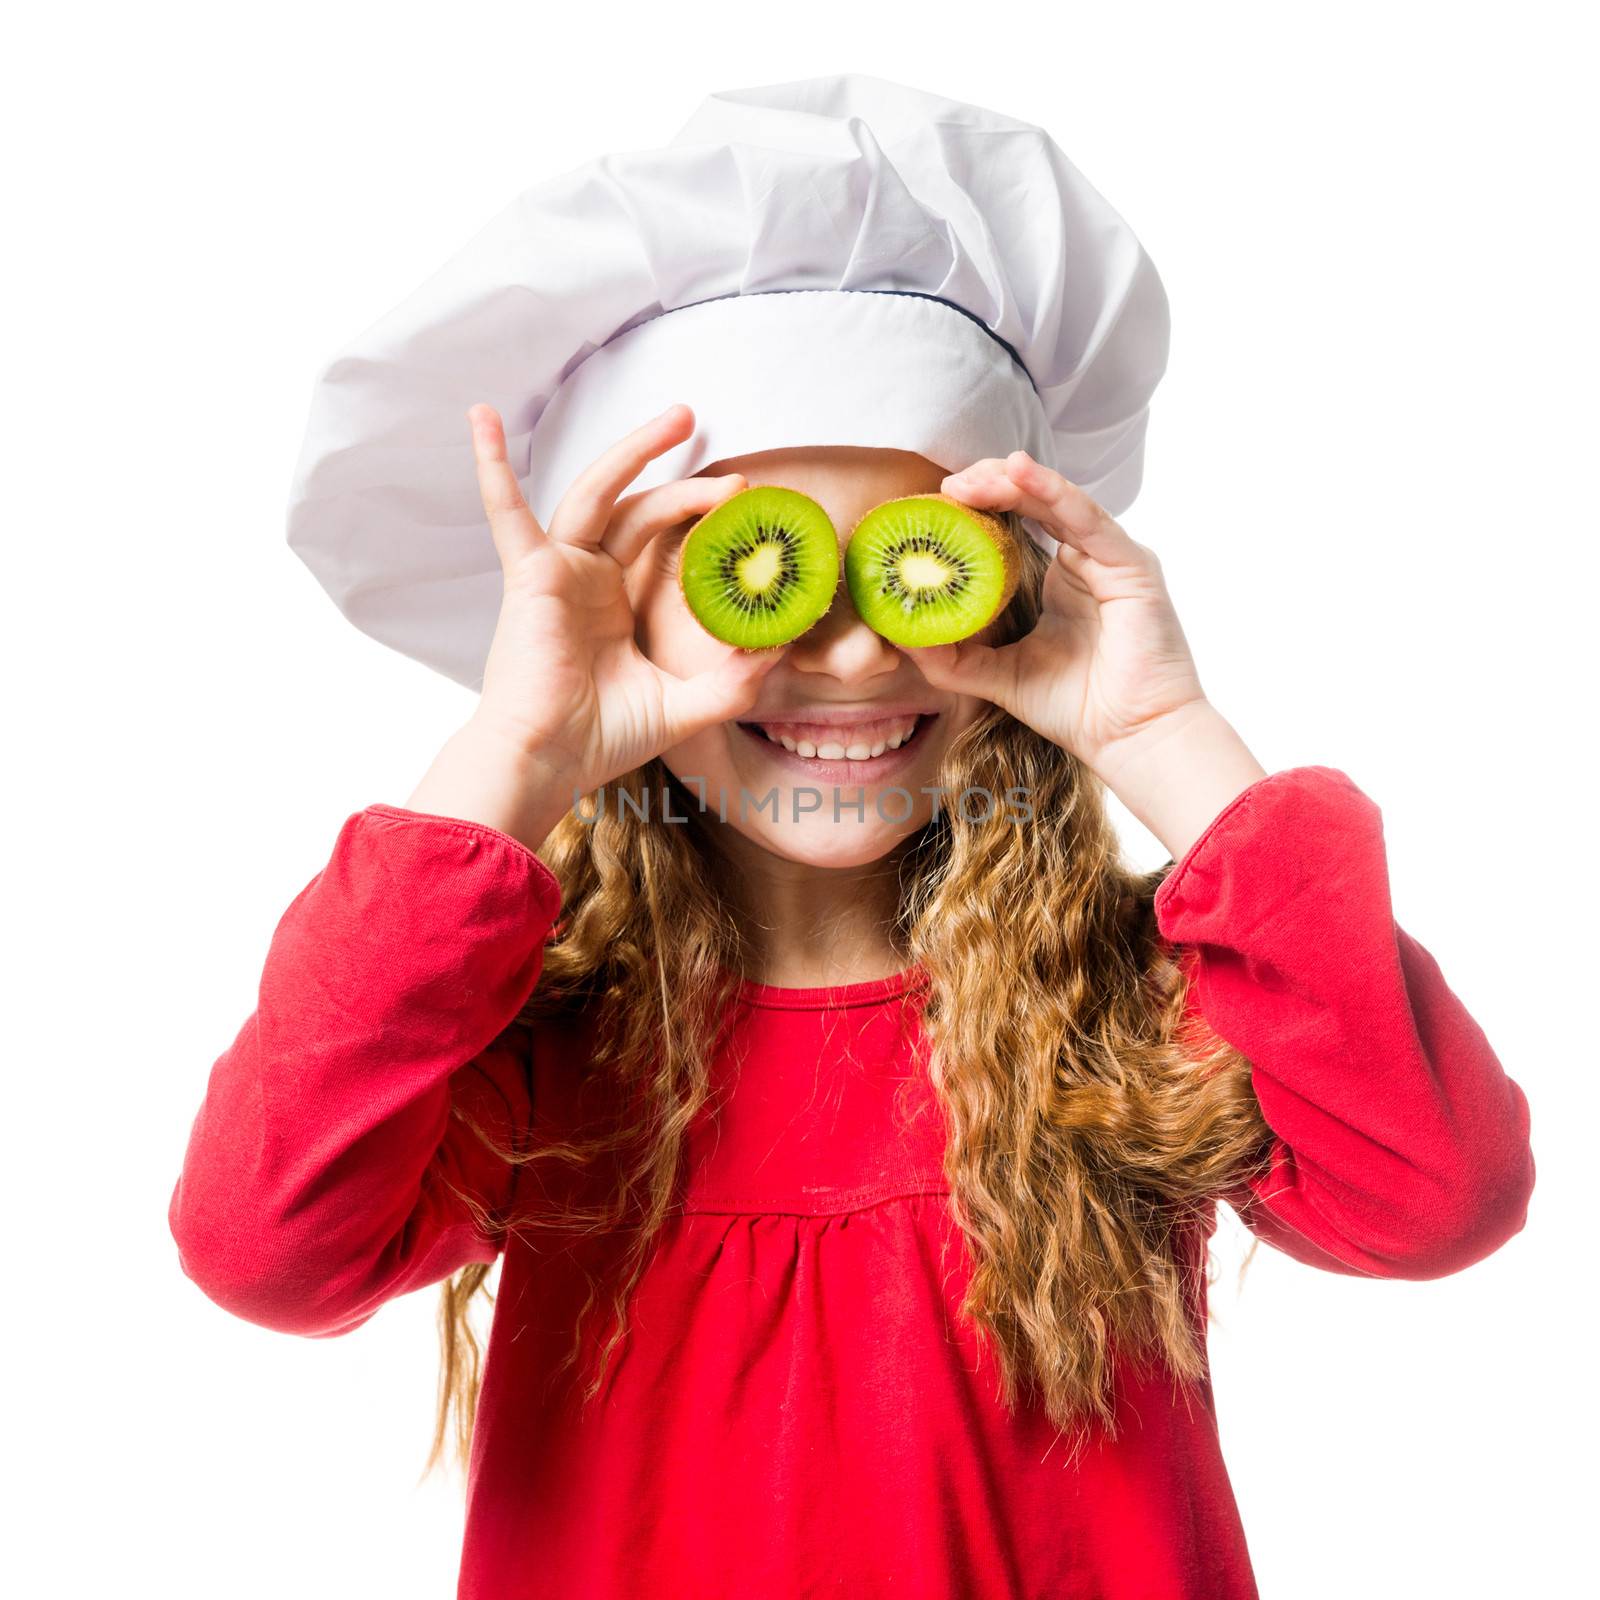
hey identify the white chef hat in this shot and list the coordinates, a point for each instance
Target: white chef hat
(841, 260)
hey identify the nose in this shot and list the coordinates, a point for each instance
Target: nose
(842, 645)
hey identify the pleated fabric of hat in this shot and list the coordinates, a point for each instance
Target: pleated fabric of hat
(841, 260)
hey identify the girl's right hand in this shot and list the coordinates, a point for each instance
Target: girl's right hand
(565, 686)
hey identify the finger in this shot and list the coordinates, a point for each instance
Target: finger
(987, 671)
(1064, 510)
(512, 524)
(640, 517)
(719, 694)
(1075, 587)
(1079, 570)
(586, 508)
(1073, 515)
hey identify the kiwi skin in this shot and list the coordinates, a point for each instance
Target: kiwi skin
(998, 531)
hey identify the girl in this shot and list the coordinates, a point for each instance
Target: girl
(846, 1117)
(850, 1166)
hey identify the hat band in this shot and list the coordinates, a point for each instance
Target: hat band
(915, 294)
(887, 370)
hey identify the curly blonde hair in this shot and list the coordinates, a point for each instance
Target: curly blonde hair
(1086, 1121)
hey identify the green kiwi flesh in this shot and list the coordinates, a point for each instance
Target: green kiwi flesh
(926, 569)
(761, 568)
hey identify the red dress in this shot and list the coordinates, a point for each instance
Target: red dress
(798, 1410)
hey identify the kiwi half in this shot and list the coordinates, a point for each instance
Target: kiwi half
(761, 568)
(925, 569)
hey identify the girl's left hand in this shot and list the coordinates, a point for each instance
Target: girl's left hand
(1107, 660)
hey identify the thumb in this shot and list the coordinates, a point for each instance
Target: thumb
(966, 668)
(719, 694)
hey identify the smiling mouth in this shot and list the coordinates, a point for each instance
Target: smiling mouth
(856, 751)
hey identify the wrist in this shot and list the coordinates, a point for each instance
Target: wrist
(1178, 773)
(480, 776)
(506, 740)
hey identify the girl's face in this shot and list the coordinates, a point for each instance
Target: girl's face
(841, 692)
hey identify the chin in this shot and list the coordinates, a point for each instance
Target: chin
(821, 842)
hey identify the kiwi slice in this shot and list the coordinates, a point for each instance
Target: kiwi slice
(925, 569)
(761, 568)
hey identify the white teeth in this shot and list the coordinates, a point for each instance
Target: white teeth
(859, 749)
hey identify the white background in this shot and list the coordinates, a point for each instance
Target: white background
(1370, 479)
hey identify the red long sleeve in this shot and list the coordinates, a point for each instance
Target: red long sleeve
(310, 1191)
(1402, 1147)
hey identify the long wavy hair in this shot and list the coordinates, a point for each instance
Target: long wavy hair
(1087, 1120)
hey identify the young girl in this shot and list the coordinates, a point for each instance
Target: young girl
(850, 1158)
